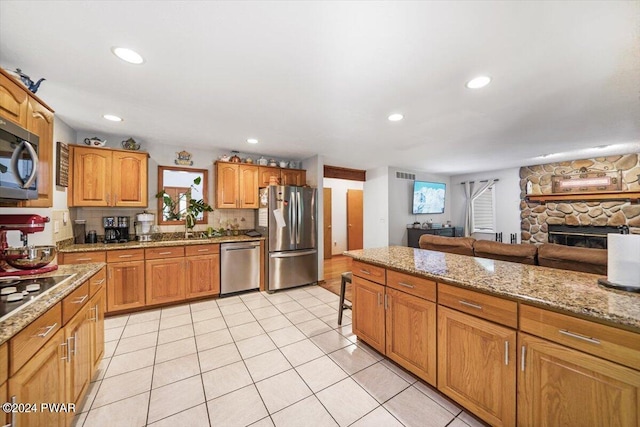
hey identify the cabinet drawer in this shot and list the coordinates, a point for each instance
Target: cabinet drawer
(83, 257)
(485, 306)
(28, 341)
(418, 286)
(97, 281)
(4, 363)
(72, 303)
(125, 255)
(369, 272)
(166, 252)
(600, 340)
(202, 250)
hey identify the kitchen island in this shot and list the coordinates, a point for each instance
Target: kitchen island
(502, 338)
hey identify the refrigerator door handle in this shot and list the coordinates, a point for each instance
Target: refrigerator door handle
(299, 214)
(293, 217)
(293, 254)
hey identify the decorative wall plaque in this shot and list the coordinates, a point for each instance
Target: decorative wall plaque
(62, 171)
(586, 182)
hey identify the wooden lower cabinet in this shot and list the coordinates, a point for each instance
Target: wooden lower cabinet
(368, 312)
(477, 365)
(41, 380)
(411, 333)
(203, 276)
(165, 280)
(97, 309)
(78, 358)
(559, 386)
(125, 285)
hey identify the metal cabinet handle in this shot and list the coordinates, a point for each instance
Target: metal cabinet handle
(203, 250)
(125, 256)
(579, 336)
(386, 301)
(506, 353)
(470, 304)
(14, 414)
(48, 329)
(99, 282)
(164, 253)
(84, 259)
(406, 285)
(81, 300)
(365, 271)
(69, 345)
(379, 297)
(108, 199)
(523, 353)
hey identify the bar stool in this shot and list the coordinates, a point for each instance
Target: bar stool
(346, 278)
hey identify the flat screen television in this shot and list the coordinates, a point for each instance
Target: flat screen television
(428, 197)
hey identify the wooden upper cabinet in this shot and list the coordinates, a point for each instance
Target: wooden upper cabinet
(236, 186)
(265, 173)
(13, 101)
(104, 177)
(293, 177)
(40, 122)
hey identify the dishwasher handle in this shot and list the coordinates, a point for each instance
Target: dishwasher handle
(246, 248)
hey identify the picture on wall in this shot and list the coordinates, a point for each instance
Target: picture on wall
(428, 197)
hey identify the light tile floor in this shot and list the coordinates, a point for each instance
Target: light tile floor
(256, 359)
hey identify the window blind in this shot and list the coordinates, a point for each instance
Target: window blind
(483, 212)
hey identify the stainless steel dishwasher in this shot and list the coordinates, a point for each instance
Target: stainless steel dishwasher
(239, 267)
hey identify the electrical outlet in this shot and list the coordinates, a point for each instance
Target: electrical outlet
(56, 226)
(335, 243)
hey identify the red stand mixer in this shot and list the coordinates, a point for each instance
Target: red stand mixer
(25, 260)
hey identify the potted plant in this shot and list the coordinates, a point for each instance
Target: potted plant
(190, 212)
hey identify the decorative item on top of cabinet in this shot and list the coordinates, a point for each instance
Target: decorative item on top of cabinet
(103, 177)
(26, 80)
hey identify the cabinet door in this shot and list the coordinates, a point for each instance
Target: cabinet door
(91, 177)
(266, 173)
(125, 285)
(40, 122)
(477, 365)
(78, 362)
(42, 379)
(561, 386)
(248, 186)
(368, 312)
(411, 333)
(227, 185)
(203, 275)
(98, 306)
(129, 174)
(165, 280)
(293, 177)
(13, 101)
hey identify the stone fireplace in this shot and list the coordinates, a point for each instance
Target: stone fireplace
(536, 218)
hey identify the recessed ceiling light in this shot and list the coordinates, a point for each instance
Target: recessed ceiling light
(127, 55)
(396, 117)
(112, 118)
(478, 82)
(252, 141)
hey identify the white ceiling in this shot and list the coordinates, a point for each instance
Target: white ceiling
(310, 78)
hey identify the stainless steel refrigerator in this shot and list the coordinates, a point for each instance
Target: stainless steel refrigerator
(288, 217)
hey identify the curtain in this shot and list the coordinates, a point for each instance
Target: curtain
(471, 194)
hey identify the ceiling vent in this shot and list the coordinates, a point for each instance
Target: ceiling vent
(406, 175)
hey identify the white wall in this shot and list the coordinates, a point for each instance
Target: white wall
(507, 198)
(401, 201)
(376, 208)
(339, 189)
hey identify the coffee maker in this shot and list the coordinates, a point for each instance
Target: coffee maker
(116, 229)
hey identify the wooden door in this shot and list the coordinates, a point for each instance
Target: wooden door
(265, 173)
(165, 280)
(13, 101)
(354, 219)
(42, 379)
(40, 122)
(125, 285)
(98, 306)
(91, 177)
(248, 186)
(561, 386)
(226, 185)
(328, 238)
(411, 333)
(477, 365)
(203, 275)
(368, 312)
(78, 367)
(130, 179)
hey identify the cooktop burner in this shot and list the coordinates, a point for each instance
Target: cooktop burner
(29, 288)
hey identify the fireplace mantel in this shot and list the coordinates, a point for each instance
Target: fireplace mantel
(632, 196)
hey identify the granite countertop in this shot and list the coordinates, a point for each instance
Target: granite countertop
(564, 290)
(154, 244)
(16, 321)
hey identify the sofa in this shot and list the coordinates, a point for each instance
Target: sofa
(588, 260)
